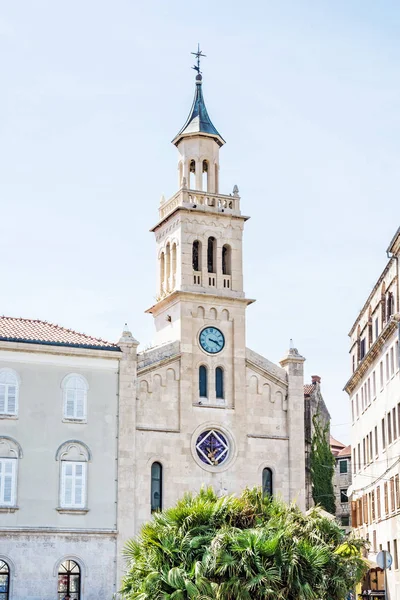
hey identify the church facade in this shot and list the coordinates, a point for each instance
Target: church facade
(102, 435)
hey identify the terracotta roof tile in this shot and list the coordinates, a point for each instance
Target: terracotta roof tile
(308, 389)
(345, 451)
(33, 331)
(334, 442)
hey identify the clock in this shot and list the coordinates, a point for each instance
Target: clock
(212, 340)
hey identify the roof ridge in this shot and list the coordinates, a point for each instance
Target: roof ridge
(41, 337)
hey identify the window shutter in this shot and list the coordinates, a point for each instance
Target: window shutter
(7, 481)
(2, 398)
(79, 485)
(80, 404)
(66, 484)
(11, 399)
(70, 403)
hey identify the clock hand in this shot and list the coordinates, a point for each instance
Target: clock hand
(214, 341)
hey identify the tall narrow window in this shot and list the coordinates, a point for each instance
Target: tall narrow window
(389, 425)
(376, 328)
(383, 434)
(389, 305)
(374, 385)
(73, 484)
(378, 502)
(226, 260)
(196, 255)
(167, 267)
(216, 179)
(376, 441)
(381, 373)
(4, 580)
(173, 265)
(392, 361)
(156, 486)
(267, 487)
(75, 390)
(203, 385)
(205, 185)
(192, 175)
(162, 272)
(219, 382)
(8, 392)
(211, 251)
(8, 481)
(69, 580)
(394, 424)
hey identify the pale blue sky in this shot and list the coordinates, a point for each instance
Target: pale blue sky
(306, 94)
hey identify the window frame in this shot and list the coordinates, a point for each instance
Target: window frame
(73, 505)
(219, 383)
(343, 461)
(343, 493)
(69, 574)
(13, 497)
(203, 382)
(270, 491)
(65, 389)
(153, 479)
(10, 372)
(7, 572)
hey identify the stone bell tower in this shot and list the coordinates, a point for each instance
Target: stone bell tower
(199, 231)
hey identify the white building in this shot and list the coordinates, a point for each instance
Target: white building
(374, 390)
(94, 437)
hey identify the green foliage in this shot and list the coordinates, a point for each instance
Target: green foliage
(246, 548)
(322, 467)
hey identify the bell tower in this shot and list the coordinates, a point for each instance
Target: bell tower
(199, 231)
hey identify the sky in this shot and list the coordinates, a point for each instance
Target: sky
(307, 95)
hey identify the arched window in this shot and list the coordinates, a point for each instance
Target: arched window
(10, 453)
(389, 305)
(203, 385)
(216, 180)
(173, 265)
(205, 176)
(4, 580)
(219, 383)
(9, 388)
(196, 255)
(69, 580)
(226, 260)
(75, 388)
(211, 250)
(162, 272)
(74, 457)
(192, 175)
(167, 267)
(156, 486)
(267, 488)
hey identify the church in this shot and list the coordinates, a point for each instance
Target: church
(96, 435)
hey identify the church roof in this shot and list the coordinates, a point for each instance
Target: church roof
(33, 331)
(198, 120)
(344, 452)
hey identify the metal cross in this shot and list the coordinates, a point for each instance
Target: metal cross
(199, 54)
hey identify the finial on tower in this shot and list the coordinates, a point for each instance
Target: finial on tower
(199, 54)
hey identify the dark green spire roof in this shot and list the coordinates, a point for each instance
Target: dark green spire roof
(198, 120)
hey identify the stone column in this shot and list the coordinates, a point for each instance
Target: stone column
(126, 458)
(293, 365)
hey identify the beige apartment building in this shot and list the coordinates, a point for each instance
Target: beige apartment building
(374, 390)
(94, 437)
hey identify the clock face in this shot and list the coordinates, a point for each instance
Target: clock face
(212, 340)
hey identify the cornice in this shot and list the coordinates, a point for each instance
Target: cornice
(44, 348)
(175, 296)
(372, 354)
(266, 373)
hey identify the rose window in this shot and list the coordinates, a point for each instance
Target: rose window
(212, 447)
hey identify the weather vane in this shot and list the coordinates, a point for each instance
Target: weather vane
(199, 54)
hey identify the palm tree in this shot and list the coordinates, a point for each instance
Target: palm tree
(247, 548)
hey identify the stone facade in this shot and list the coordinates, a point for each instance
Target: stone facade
(374, 391)
(341, 483)
(313, 404)
(160, 422)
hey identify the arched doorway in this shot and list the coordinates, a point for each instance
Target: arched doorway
(69, 580)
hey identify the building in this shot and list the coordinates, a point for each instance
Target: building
(94, 437)
(374, 390)
(342, 482)
(313, 404)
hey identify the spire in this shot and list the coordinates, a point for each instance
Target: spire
(198, 121)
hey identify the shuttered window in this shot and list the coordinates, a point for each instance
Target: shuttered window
(8, 480)
(75, 396)
(378, 502)
(73, 484)
(8, 392)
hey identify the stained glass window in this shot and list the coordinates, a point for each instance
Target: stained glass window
(212, 447)
(69, 580)
(4, 580)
